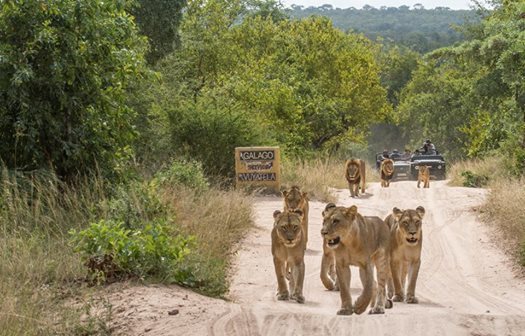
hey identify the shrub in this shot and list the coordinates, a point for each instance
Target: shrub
(187, 173)
(474, 180)
(113, 251)
(135, 204)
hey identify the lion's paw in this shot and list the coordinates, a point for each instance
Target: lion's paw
(345, 311)
(377, 310)
(398, 298)
(389, 304)
(360, 306)
(412, 299)
(282, 296)
(298, 297)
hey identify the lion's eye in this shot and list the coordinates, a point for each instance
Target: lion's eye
(295, 228)
(335, 221)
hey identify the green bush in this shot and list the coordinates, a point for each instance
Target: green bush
(187, 173)
(135, 204)
(473, 180)
(113, 251)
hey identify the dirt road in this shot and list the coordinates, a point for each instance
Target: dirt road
(465, 284)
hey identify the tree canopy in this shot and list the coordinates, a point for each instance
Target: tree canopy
(65, 67)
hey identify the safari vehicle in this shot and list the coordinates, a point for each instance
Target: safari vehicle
(435, 162)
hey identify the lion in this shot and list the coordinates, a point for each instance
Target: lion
(355, 175)
(363, 242)
(406, 240)
(387, 172)
(423, 176)
(288, 254)
(294, 199)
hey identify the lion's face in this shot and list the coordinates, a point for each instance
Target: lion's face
(409, 223)
(294, 199)
(387, 166)
(353, 168)
(288, 226)
(337, 222)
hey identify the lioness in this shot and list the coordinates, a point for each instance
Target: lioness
(387, 172)
(288, 253)
(406, 240)
(423, 176)
(363, 242)
(355, 174)
(294, 199)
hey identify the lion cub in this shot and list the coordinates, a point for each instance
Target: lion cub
(423, 176)
(406, 241)
(288, 245)
(294, 199)
(363, 242)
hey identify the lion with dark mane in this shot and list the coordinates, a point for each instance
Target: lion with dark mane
(355, 175)
(387, 172)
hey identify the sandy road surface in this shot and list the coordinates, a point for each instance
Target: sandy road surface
(465, 285)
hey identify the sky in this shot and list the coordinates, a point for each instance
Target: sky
(428, 4)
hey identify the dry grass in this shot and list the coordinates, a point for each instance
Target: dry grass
(504, 208)
(218, 219)
(492, 167)
(318, 176)
(42, 291)
(38, 267)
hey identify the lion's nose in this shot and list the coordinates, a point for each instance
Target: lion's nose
(323, 232)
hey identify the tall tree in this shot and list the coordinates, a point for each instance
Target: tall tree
(64, 70)
(159, 21)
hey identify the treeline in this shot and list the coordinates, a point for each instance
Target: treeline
(418, 28)
(81, 91)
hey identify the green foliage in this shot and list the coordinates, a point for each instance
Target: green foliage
(206, 274)
(419, 29)
(243, 77)
(469, 98)
(134, 204)
(113, 250)
(65, 67)
(186, 173)
(473, 180)
(159, 21)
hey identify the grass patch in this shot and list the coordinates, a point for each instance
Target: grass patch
(504, 209)
(318, 176)
(477, 173)
(43, 287)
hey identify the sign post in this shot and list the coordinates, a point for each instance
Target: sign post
(258, 166)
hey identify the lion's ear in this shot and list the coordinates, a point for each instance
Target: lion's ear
(328, 206)
(352, 211)
(420, 211)
(305, 195)
(284, 193)
(298, 211)
(276, 213)
(397, 213)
